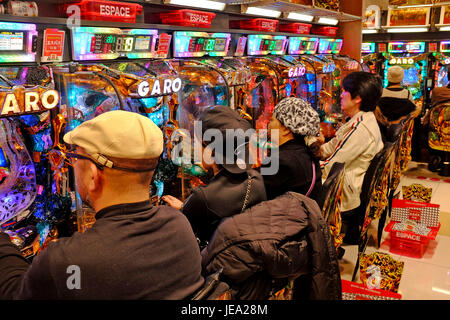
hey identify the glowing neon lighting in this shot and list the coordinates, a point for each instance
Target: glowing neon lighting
(144, 32)
(283, 47)
(368, 47)
(28, 55)
(392, 45)
(254, 41)
(330, 46)
(223, 53)
(81, 45)
(445, 46)
(415, 47)
(302, 45)
(182, 39)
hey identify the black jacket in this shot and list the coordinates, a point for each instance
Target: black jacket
(222, 197)
(295, 172)
(284, 238)
(133, 251)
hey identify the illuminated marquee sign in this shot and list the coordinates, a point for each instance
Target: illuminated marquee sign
(159, 87)
(23, 101)
(297, 71)
(401, 61)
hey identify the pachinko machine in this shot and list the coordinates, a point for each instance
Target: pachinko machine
(35, 192)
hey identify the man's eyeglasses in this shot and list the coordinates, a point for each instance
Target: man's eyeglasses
(71, 155)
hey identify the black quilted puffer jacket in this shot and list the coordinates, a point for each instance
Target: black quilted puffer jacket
(272, 242)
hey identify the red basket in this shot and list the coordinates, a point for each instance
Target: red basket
(268, 25)
(408, 243)
(100, 10)
(300, 28)
(357, 291)
(325, 31)
(188, 18)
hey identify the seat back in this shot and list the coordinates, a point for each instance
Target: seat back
(331, 201)
(374, 192)
(402, 153)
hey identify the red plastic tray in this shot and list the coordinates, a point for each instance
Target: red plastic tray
(300, 28)
(101, 10)
(357, 291)
(407, 243)
(258, 24)
(188, 18)
(325, 31)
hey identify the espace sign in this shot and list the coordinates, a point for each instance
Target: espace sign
(197, 18)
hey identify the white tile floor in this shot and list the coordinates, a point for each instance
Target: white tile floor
(427, 278)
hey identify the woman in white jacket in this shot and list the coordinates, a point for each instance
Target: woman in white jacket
(356, 143)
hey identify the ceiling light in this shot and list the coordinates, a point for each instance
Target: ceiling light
(415, 6)
(446, 28)
(369, 31)
(262, 12)
(328, 21)
(301, 17)
(205, 4)
(406, 30)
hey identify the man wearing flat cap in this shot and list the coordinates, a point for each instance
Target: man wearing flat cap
(396, 102)
(134, 250)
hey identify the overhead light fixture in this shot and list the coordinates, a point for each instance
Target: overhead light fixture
(446, 28)
(369, 31)
(415, 6)
(328, 21)
(262, 12)
(205, 4)
(301, 17)
(405, 30)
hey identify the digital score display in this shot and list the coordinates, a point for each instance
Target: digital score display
(198, 44)
(112, 43)
(266, 44)
(18, 42)
(445, 46)
(330, 46)
(302, 45)
(397, 47)
(368, 47)
(12, 41)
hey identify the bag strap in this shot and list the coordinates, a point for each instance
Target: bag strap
(247, 194)
(313, 180)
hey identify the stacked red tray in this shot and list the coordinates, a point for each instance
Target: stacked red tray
(325, 31)
(300, 28)
(188, 18)
(258, 24)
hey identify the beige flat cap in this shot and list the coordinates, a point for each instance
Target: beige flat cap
(395, 74)
(119, 134)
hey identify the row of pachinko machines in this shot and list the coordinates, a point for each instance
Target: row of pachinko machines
(170, 77)
(426, 65)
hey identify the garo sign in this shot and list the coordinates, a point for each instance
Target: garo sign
(297, 71)
(401, 61)
(21, 102)
(168, 86)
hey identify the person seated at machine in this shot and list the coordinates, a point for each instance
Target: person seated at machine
(233, 187)
(299, 168)
(396, 102)
(153, 247)
(356, 143)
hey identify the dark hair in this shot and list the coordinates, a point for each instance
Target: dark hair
(366, 85)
